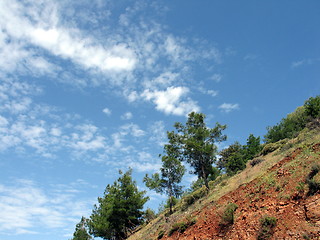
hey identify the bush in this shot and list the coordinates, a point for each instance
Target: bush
(194, 196)
(314, 170)
(313, 184)
(256, 161)
(228, 214)
(161, 234)
(270, 147)
(267, 226)
(149, 215)
(181, 226)
(288, 127)
(314, 187)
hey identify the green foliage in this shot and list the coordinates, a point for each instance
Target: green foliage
(181, 226)
(312, 107)
(232, 159)
(149, 215)
(313, 184)
(235, 157)
(119, 211)
(190, 198)
(289, 127)
(161, 234)
(195, 185)
(197, 144)
(172, 172)
(252, 148)
(256, 161)
(227, 217)
(267, 226)
(81, 232)
(271, 147)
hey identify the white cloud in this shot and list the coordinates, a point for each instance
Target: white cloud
(107, 111)
(170, 101)
(127, 116)
(216, 77)
(213, 93)
(25, 208)
(250, 57)
(132, 129)
(37, 23)
(228, 107)
(158, 133)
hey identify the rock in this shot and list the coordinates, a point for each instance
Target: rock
(312, 208)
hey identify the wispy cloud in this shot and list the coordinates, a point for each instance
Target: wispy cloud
(127, 116)
(216, 77)
(107, 111)
(228, 107)
(302, 62)
(26, 207)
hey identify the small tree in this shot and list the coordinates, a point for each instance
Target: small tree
(232, 159)
(81, 232)
(197, 144)
(252, 148)
(119, 211)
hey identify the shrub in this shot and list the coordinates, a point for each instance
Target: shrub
(181, 226)
(256, 161)
(288, 127)
(228, 214)
(149, 215)
(314, 170)
(194, 196)
(314, 187)
(161, 234)
(270, 147)
(313, 184)
(267, 226)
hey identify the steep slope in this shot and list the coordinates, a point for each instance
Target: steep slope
(273, 199)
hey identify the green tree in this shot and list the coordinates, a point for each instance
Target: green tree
(197, 144)
(119, 211)
(171, 171)
(289, 127)
(232, 159)
(312, 107)
(252, 148)
(81, 232)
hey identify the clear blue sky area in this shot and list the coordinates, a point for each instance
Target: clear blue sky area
(88, 88)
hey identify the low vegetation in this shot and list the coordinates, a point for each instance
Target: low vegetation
(268, 224)
(227, 217)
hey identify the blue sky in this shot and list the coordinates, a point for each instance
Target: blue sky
(91, 87)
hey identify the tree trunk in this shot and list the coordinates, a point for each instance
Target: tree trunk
(204, 176)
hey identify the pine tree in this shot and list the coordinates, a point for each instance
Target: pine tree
(81, 232)
(119, 211)
(197, 144)
(172, 172)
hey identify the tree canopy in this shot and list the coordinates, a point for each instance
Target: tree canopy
(81, 232)
(171, 171)
(119, 211)
(197, 144)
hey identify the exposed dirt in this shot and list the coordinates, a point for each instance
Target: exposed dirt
(279, 193)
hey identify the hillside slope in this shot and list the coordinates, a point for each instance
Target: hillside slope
(273, 199)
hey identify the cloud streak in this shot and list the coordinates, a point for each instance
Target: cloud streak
(25, 207)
